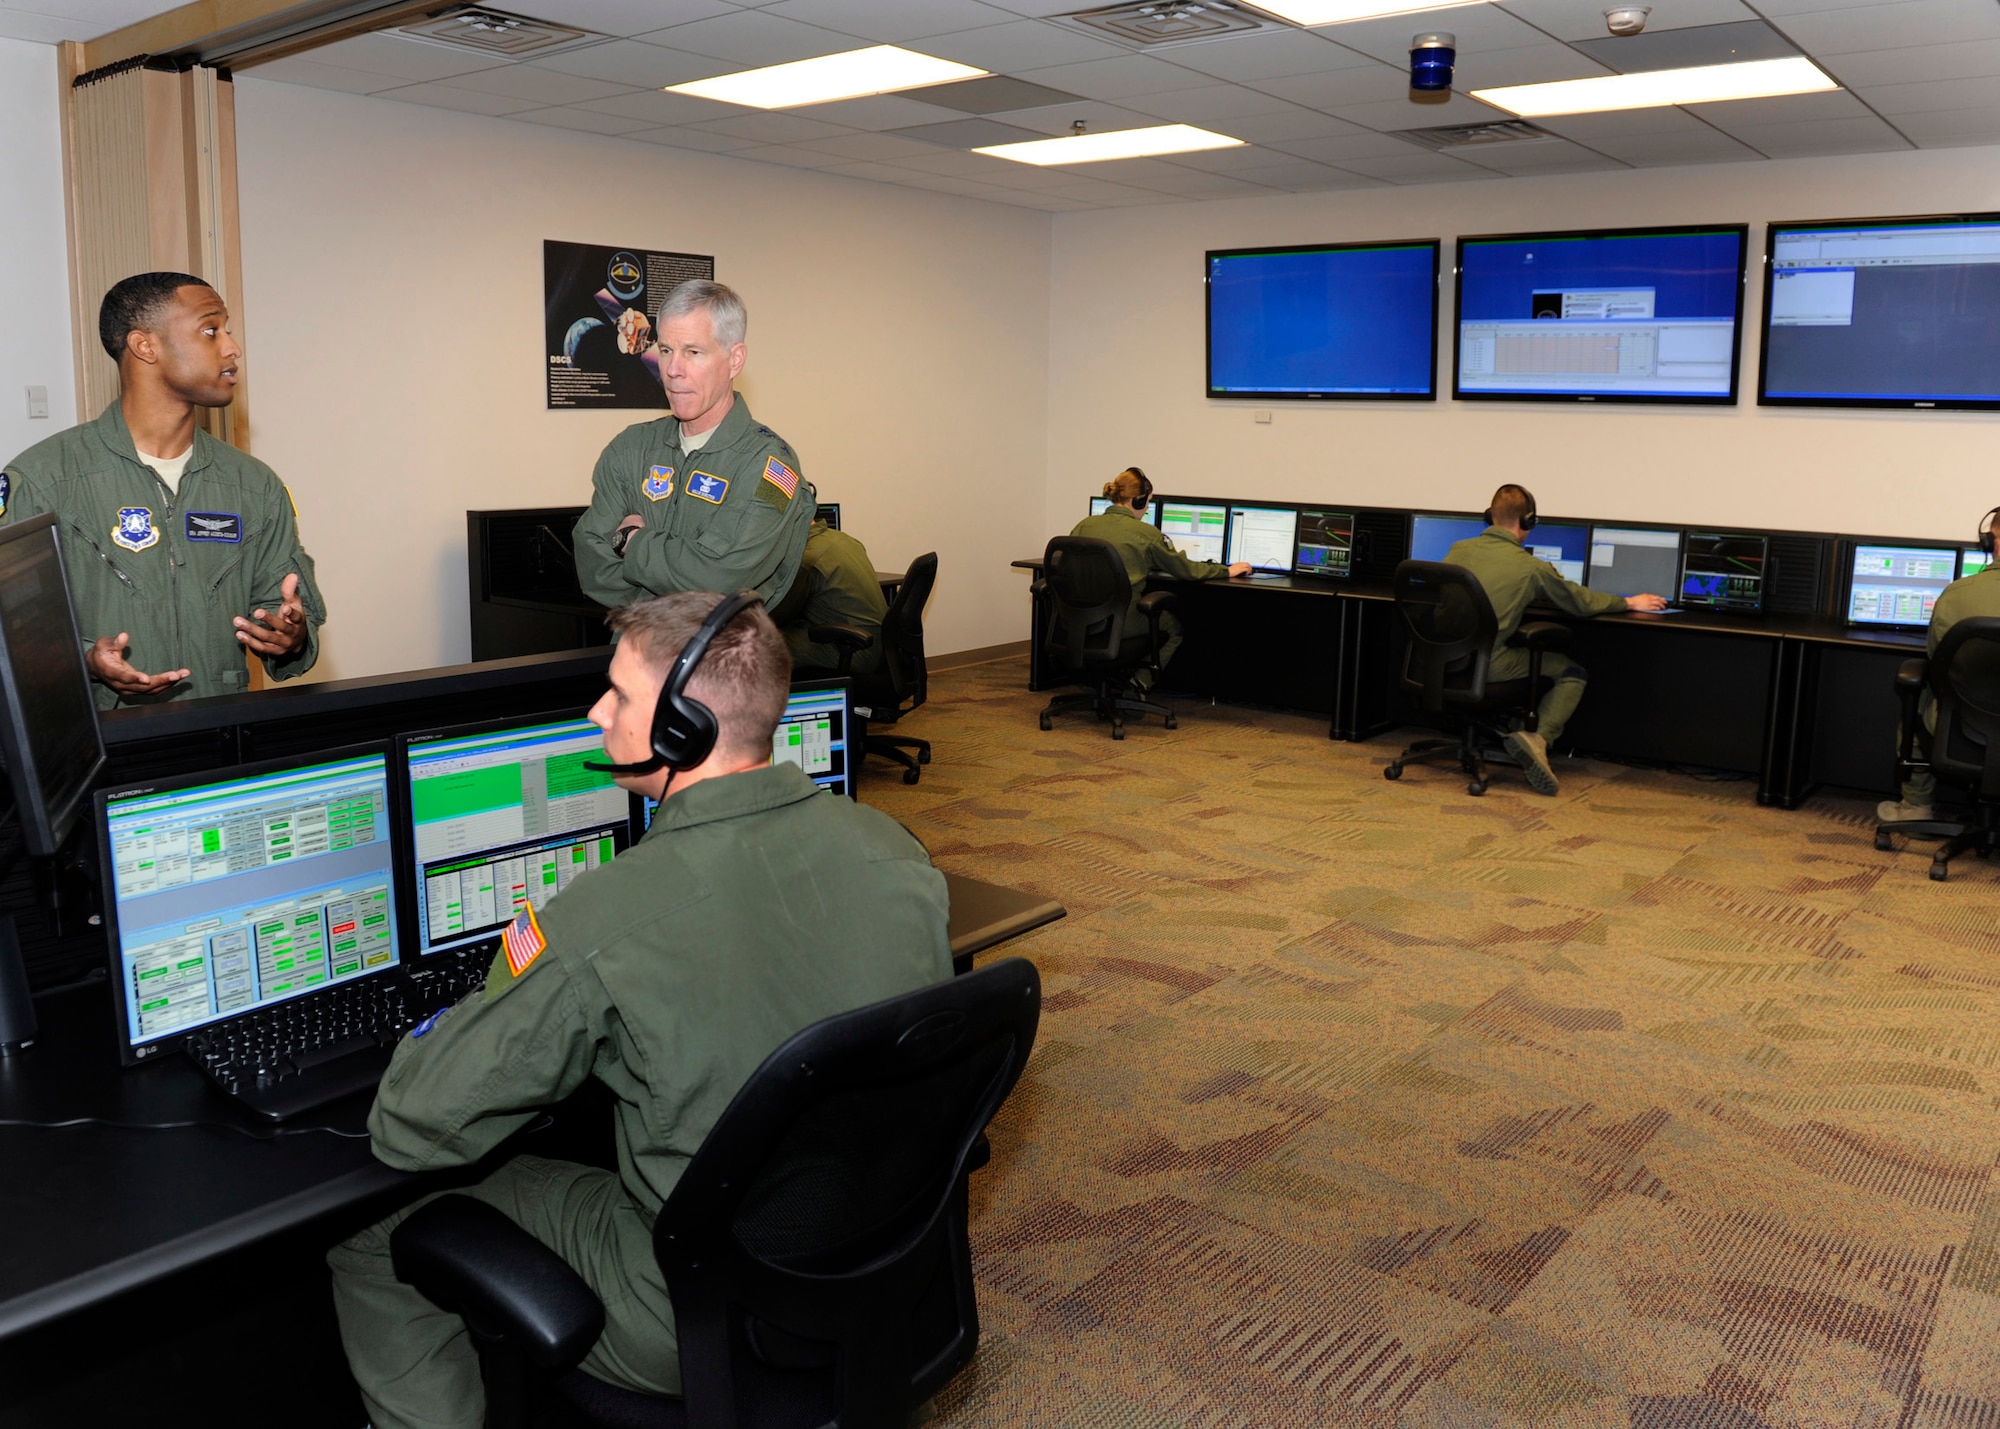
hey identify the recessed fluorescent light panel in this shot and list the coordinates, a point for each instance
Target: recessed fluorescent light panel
(1117, 144)
(879, 69)
(1704, 84)
(1339, 12)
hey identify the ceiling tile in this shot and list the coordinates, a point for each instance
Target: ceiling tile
(774, 128)
(1542, 157)
(1272, 55)
(1740, 42)
(1863, 135)
(680, 136)
(300, 70)
(621, 17)
(1057, 118)
(635, 63)
(995, 94)
(791, 156)
(1894, 99)
(881, 173)
(1213, 106)
(1698, 146)
(1951, 128)
(892, 21)
(1593, 129)
(877, 148)
(1020, 45)
(1888, 27)
(957, 162)
(1533, 64)
(656, 108)
(545, 86)
(880, 111)
(752, 39)
(969, 133)
(1412, 164)
(1360, 145)
(1584, 19)
(1790, 109)
(411, 59)
(1916, 64)
(1393, 114)
(1777, 10)
(1368, 81)
(1121, 78)
(1478, 27)
(1101, 189)
(1291, 125)
(581, 119)
(54, 29)
(472, 101)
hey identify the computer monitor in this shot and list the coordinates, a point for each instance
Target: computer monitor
(1725, 572)
(1263, 536)
(48, 714)
(1432, 536)
(1323, 544)
(1634, 560)
(501, 816)
(1567, 548)
(227, 892)
(1198, 530)
(1893, 585)
(1972, 560)
(829, 512)
(813, 733)
(1101, 504)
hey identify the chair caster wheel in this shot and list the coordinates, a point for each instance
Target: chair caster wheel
(1884, 841)
(1394, 771)
(1117, 731)
(909, 776)
(1045, 722)
(1171, 722)
(1939, 872)
(923, 757)
(1475, 788)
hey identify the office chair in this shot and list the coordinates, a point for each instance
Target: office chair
(900, 682)
(1451, 628)
(1088, 593)
(1964, 680)
(815, 1249)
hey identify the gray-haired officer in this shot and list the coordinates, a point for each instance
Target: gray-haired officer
(706, 499)
(754, 907)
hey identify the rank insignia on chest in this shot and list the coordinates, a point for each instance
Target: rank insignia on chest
(659, 484)
(523, 941)
(708, 487)
(135, 530)
(781, 476)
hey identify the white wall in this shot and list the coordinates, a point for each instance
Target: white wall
(393, 291)
(1126, 370)
(34, 255)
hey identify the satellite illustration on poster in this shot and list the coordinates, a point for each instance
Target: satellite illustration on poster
(599, 308)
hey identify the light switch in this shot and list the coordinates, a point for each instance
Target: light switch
(38, 401)
(1263, 416)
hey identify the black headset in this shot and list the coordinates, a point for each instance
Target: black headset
(1145, 488)
(1528, 518)
(684, 729)
(1986, 530)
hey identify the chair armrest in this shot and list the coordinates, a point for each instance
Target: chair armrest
(981, 1154)
(1039, 587)
(1540, 635)
(466, 1257)
(849, 641)
(1910, 675)
(1156, 600)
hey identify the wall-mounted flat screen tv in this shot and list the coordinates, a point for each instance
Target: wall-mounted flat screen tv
(1615, 315)
(1883, 312)
(1330, 321)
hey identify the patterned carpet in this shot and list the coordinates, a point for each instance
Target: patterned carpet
(1378, 1104)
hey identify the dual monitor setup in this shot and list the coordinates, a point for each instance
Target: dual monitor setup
(1888, 584)
(1877, 312)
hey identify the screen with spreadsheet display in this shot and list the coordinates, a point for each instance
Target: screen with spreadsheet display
(1197, 530)
(812, 733)
(1263, 537)
(1898, 585)
(504, 816)
(1323, 545)
(231, 894)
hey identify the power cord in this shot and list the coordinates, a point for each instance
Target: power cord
(273, 1135)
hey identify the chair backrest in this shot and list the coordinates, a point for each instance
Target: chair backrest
(1964, 677)
(815, 1248)
(1089, 593)
(903, 637)
(1451, 628)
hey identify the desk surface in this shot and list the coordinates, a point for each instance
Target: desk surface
(92, 1211)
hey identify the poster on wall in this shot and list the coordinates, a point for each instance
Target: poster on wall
(599, 307)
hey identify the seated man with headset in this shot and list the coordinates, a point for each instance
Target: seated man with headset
(1964, 598)
(1513, 579)
(753, 907)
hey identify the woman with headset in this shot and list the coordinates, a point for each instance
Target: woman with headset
(1147, 552)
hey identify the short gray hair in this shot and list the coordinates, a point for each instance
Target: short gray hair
(718, 300)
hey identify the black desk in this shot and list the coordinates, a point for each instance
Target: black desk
(1795, 701)
(96, 1211)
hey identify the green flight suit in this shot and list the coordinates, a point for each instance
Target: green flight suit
(754, 907)
(1145, 552)
(171, 570)
(1514, 579)
(837, 581)
(730, 516)
(1961, 600)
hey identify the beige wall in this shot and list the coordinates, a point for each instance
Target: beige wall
(34, 254)
(1126, 369)
(392, 259)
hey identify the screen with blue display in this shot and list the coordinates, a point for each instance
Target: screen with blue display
(1432, 536)
(1567, 548)
(1646, 316)
(1349, 321)
(1889, 313)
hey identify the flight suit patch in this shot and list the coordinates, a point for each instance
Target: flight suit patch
(523, 941)
(214, 526)
(781, 476)
(135, 530)
(659, 483)
(6, 490)
(707, 486)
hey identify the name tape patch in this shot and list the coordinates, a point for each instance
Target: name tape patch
(708, 487)
(523, 941)
(214, 526)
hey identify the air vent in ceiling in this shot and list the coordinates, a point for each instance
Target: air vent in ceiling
(495, 32)
(1466, 136)
(1153, 24)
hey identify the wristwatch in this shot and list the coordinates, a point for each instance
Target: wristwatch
(619, 539)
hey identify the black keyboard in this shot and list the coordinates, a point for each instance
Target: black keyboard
(319, 1048)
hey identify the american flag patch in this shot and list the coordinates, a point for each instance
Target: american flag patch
(523, 941)
(781, 476)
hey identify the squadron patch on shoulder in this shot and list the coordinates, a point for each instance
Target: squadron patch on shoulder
(134, 529)
(708, 486)
(6, 490)
(523, 941)
(781, 476)
(659, 484)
